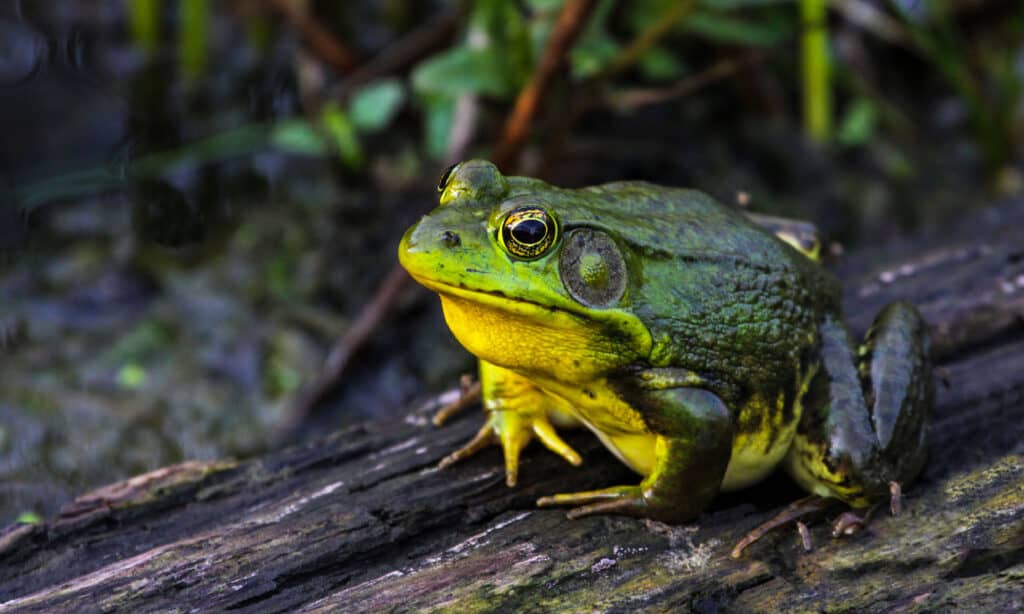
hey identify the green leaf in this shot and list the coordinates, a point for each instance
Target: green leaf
(29, 518)
(591, 55)
(297, 136)
(859, 123)
(342, 133)
(660, 64)
(544, 6)
(131, 376)
(463, 71)
(730, 5)
(440, 113)
(374, 105)
(724, 29)
(596, 47)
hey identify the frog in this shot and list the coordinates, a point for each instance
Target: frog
(703, 346)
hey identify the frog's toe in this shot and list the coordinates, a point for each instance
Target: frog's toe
(468, 392)
(547, 435)
(848, 523)
(895, 498)
(793, 512)
(484, 437)
(615, 500)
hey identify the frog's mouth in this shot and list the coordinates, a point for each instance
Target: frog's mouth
(494, 299)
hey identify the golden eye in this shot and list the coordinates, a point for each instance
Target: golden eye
(528, 232)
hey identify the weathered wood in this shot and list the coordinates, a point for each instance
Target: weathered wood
(362, 520)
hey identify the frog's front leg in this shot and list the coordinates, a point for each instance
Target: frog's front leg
(862, 432)
(517, 411)
(692, 432)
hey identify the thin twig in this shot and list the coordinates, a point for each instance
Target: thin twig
(570, 22)
(355, 337)
(631, 99)
(587, 96)
(319, 38)
(647, 39)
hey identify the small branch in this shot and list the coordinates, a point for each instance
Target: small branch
(586, 97)
(355, 337)
(648, 38)
(631, 99)
(319, 38)
(567, 27)
(382, 303)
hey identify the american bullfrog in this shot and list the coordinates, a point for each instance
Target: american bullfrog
(702, 348)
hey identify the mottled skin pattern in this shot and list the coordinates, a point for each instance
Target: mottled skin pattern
(723, 355)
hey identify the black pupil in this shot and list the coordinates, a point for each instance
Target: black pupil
(529, 232)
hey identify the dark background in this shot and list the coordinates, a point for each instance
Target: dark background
(197, 200)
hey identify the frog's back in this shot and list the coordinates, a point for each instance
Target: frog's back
(720, 295)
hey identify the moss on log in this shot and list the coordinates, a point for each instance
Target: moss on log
(363, 521)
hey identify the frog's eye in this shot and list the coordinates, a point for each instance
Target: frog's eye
(528, 232)
(443, 183)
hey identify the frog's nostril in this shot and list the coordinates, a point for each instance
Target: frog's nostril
(450, 239)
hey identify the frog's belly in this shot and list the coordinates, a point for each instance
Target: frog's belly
(749, 463)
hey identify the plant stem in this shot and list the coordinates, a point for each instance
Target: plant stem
(814, 56)
(145, 23)
(194, 25)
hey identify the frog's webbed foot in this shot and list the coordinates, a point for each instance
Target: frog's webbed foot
(513, 430)
(627, 500)
(517, 411)
(848, 523)
(793, 512)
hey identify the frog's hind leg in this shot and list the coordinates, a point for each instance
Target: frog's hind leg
(861, 435)
(862, 432)
(792, 513)
(692, 448)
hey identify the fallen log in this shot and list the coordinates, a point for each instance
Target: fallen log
(363, 520)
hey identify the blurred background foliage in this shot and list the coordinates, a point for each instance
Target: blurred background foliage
(198, 200)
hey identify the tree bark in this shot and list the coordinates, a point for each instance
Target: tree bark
(363, 521)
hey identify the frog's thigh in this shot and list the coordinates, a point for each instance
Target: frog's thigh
(692, 444)
(845, 448)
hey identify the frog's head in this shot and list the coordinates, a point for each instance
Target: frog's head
(521, 273)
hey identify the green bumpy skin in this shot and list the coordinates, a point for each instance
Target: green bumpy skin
(702, 346)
